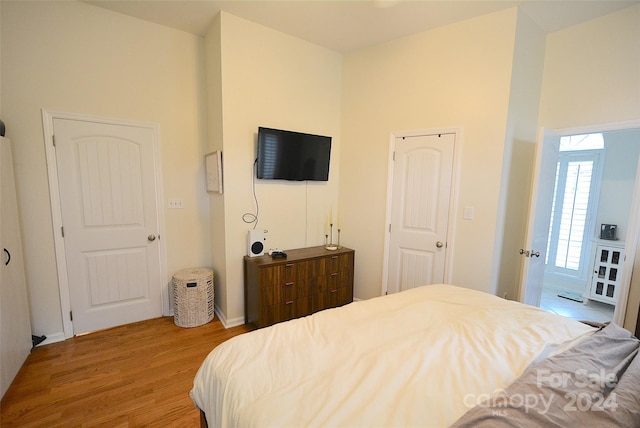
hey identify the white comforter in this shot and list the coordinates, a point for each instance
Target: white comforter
(421, 357)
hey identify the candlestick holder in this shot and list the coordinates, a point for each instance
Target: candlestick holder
(330, 246)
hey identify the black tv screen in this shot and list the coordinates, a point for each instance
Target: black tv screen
(288, 155)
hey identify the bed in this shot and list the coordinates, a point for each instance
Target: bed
(431, 356)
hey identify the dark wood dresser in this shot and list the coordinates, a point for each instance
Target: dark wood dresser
(307, 281)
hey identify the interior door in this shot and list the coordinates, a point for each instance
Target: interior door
(108, 199)
(534, 252)
(421, 189)
(15, 323)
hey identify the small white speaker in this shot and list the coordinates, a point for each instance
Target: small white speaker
(255, 243)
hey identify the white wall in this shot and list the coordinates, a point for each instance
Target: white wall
(454, 76)
(618, 179)
(271, 79)
(77, 58)
(591, 73)
(213, 67)
(521, 135)
(73, 57)
(591, 77)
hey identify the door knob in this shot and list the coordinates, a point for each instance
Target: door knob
(439, 244)
(151, 238)
(8, 257)
(531, 253)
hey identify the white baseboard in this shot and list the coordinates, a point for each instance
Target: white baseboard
(228, 323)
(53, 338)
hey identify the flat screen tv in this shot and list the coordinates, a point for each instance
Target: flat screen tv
(288, 155)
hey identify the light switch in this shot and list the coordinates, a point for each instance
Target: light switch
(468, 213)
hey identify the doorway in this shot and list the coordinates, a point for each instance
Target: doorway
(421, 178)
(582, 267)
(106, 199)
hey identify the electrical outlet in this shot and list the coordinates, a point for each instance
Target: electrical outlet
(176, 203)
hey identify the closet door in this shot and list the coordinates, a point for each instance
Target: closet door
(15, 324)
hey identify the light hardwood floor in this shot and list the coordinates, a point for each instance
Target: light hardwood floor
(137, 375)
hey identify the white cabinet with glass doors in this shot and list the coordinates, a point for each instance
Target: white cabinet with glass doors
(607, 271)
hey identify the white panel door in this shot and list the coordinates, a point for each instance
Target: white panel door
(422, 175)
(108, 198)
(535, 250)
(15, 323)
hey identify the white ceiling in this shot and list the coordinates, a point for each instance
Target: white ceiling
(348, 25)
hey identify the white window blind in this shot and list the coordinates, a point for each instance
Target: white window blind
(573, 216)
(568, 245)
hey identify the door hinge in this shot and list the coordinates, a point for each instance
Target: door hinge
(71, 315)
(53, 138)
(62, 230)
(389, 227)
(394, 156)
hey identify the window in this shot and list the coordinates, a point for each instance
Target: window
(577, 179)
(582, 142)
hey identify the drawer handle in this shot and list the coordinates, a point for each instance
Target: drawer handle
(334, 257)
(289, 265)
(289, 302)
(288, 284)
(333, 291)
(334, 274)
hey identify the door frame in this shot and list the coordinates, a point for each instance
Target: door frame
(48, 117)
(453, 197)
(633, 227)
(632, 239)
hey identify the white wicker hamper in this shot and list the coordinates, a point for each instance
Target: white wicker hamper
(193, 297)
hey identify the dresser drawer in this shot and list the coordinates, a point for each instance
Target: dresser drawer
(284, 292)
(288, 310)
(340, 263)
(294, 290)
(332, 298)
